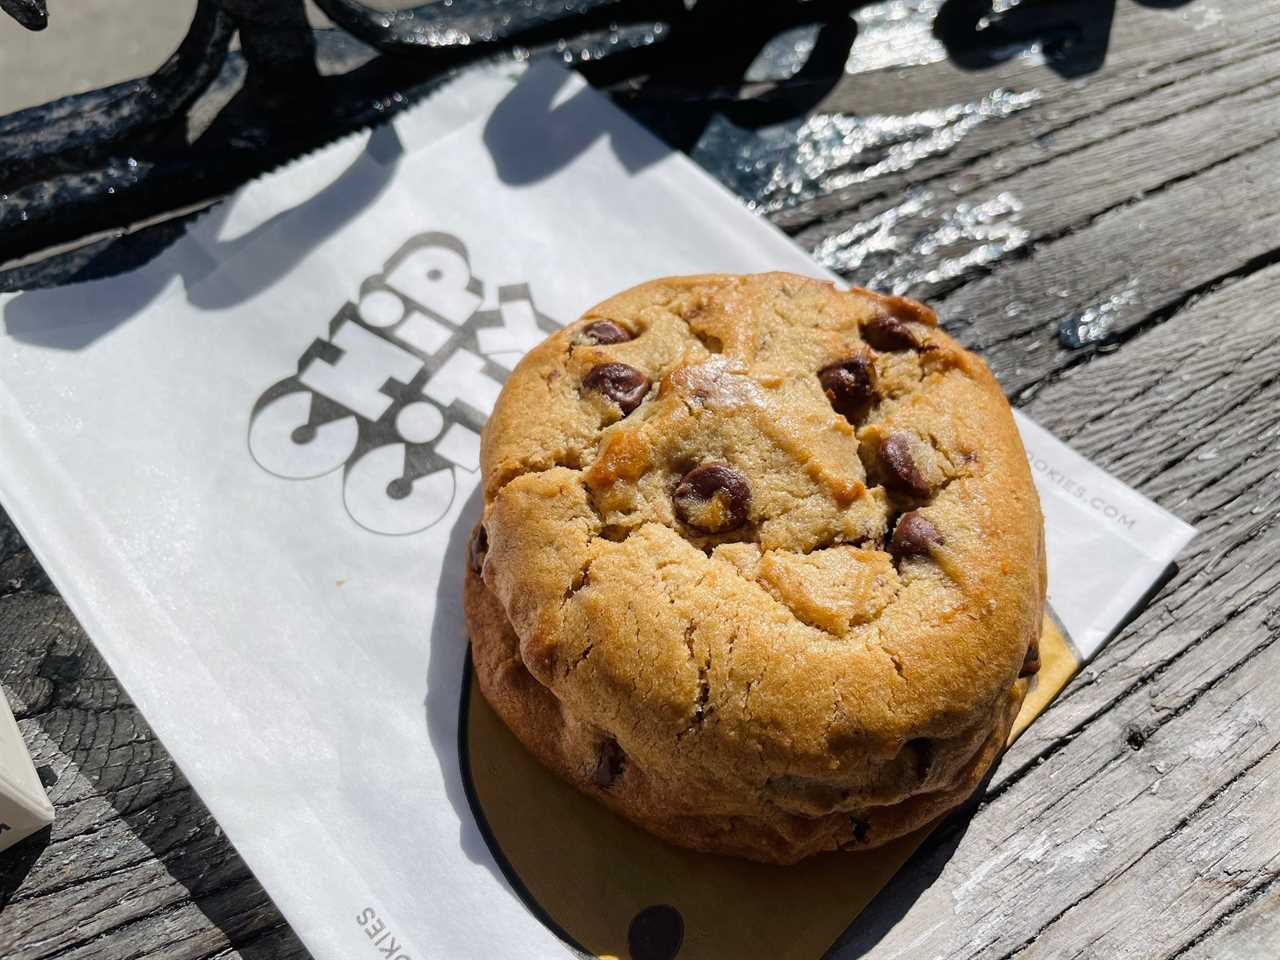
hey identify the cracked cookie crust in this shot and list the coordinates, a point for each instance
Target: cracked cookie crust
(761, 563)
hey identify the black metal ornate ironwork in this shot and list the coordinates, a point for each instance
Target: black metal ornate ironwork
(32, 14)
(210, 118)
(207, 120)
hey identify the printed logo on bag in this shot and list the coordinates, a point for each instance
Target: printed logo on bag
(397, 394)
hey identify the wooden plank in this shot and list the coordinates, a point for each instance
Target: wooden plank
(1133, 266)
(1214, 862)
(1044, 191)
(1250, 932)
(1158, 64)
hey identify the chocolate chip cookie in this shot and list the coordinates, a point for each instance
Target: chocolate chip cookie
(761, 564)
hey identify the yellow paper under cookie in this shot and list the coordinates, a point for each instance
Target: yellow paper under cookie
(589, 873)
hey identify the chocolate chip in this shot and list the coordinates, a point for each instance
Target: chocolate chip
(477, 547)
(713, 498)
(605, 331)
(850, 386)
(1031, 663)
(914, 536)
(625, 386)
(889, 333)
(898, 470)
(610, 762)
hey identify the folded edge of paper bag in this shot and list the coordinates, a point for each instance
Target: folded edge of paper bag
(24, 807)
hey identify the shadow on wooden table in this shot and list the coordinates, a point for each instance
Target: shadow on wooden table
(917, 875)
(1072, 35)
(219, 883)
(17, 861)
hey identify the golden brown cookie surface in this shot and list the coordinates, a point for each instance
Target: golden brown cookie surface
(762, 562)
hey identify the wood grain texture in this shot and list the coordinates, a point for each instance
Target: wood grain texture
(1139, 817)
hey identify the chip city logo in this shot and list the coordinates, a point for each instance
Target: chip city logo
(397, 394)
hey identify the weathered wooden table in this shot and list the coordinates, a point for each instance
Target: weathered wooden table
(1108, 237)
